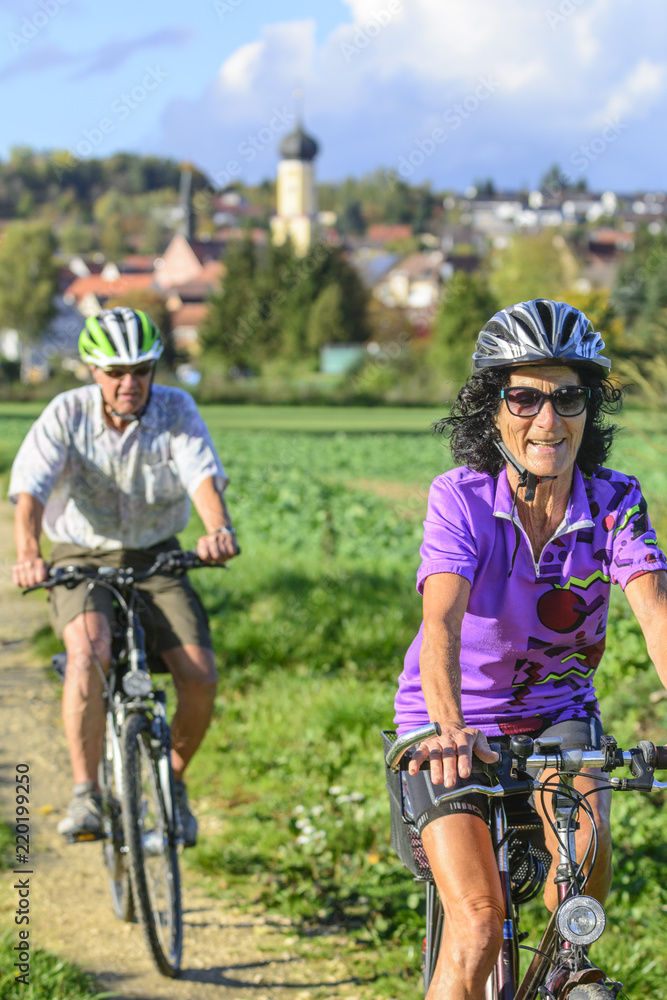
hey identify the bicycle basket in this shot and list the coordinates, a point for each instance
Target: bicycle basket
(405, 839)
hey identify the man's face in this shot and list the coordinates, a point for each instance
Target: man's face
(125, 388)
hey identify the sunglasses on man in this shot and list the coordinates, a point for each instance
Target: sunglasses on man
(140, 371)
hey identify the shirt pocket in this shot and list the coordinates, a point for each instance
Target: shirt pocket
(162, 483)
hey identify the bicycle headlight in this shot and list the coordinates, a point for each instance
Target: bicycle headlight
(137, 683)
(581, 920)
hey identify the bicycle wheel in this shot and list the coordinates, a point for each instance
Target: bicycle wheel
(113, 845)
(435, 922)
(591, 991)
(152, 845)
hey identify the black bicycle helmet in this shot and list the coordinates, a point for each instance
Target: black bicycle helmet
(538, 331)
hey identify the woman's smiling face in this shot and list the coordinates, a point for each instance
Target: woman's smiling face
(547, 444)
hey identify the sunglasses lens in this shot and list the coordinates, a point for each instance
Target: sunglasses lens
(137, 371)
(570, 401)
(523, 402)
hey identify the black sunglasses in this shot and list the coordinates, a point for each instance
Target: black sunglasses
(524, 401)
(139, 371)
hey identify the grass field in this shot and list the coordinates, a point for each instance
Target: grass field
(310, 626)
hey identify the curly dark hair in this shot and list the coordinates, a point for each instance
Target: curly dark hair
(472, 431)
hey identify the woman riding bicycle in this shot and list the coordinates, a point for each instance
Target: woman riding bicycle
(520, 546)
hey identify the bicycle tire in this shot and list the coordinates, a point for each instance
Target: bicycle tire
(114, 853)
(435, 922)
(150, 838)
(591, 991)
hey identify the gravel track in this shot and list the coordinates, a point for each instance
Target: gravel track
(227, 954)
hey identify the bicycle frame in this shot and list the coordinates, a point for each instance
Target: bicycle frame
(558, 961)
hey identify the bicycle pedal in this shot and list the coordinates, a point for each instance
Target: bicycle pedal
(82, 838)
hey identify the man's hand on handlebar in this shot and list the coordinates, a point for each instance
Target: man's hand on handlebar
(451, 753)
(217, 547)
(28, 572)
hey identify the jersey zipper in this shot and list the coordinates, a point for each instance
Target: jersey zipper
(563, 529)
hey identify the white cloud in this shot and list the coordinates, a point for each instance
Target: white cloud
(637, 92)
(239, 71)
(379, 84)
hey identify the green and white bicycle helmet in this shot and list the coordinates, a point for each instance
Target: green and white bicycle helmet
(120, 336)
(538, 331)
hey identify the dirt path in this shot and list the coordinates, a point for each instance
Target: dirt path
(227, 954)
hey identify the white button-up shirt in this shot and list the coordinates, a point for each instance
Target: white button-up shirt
(109, 490)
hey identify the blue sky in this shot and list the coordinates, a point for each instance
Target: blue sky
(443, 90)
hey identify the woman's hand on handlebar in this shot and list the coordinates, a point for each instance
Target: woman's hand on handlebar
(28, 572)
(451, 753)
(217, 546)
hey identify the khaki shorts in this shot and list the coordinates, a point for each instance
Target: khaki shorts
(169, 608)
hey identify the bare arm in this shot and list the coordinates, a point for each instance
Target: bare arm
(647, 595)
(215, 546)
(30, 568)
(445, 601)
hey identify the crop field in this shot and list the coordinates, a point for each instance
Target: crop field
(310, 626)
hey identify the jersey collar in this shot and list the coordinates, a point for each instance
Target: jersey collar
(577, 515)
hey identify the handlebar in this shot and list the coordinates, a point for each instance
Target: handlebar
(510, 774)
(176, 562)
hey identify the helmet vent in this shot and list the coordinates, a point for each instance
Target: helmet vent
(568, 326)
(546, 316)
(527, 329)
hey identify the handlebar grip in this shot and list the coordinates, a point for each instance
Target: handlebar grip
(661, 758)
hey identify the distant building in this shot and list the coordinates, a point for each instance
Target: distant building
(296, 215)
(415, 282)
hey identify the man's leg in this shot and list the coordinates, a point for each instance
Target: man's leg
(193, 670)
(195, 678)
(87, 640)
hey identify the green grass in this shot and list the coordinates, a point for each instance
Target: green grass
(310, 627)
(50, 977)
(6, 847)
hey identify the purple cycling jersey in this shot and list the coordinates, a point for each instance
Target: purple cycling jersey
(534, 631)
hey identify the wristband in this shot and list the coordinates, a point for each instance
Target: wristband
(224, 530)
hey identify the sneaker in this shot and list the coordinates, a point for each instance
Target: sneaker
(186, 822)
(84, 815)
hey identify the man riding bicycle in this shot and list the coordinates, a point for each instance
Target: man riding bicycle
(108, 471)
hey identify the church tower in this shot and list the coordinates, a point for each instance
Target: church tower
(297, 204)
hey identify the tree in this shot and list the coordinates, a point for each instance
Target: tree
(28, 278)
(467, 305)
(326, 322)
(227, 331)
(263, 310)
(532, 267)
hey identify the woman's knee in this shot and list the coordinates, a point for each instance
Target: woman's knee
(475, 933)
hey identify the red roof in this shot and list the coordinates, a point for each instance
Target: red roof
(191, 314)
(380, 233)
(137, 263)
(95, 284)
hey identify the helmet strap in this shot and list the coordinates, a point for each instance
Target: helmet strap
(528, 480)
(130, 417)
